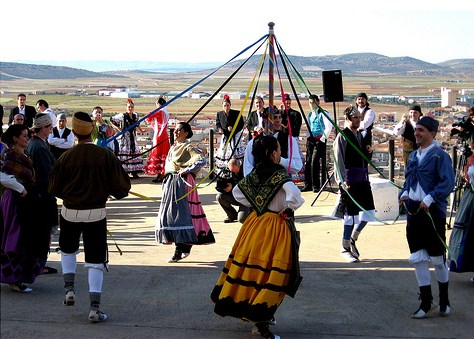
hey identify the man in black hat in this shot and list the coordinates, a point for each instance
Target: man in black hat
(406, 128)
(84, 178)
(429, 179)
(368, 119)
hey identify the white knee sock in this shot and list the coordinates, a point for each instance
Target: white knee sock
(422, 272)
(441, 269)
(68, 263)
(96, 278)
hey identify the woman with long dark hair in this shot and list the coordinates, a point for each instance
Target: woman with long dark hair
(263, 265)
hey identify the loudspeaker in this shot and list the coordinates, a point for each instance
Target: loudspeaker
(332, 86)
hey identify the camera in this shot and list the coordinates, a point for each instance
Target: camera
(465, 130)
(221, 185)
(102, 130)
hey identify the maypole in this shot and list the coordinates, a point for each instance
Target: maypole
(271, 65)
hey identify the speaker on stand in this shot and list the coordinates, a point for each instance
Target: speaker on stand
(333, 92)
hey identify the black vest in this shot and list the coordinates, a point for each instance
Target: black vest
(56, 150)
(352, 158)
(409, 132)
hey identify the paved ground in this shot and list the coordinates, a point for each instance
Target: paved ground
(145, 297)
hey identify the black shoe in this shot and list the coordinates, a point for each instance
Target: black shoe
(178, 255)
(263, 330)
(316, 189)
(306, 189)
(354, 250)
(229, 220)
(159, 178)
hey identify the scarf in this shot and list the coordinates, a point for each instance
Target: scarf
(181, 155)
(20, 166)
(262, 184)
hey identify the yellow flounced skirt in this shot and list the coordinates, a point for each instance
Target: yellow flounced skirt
(252, 283)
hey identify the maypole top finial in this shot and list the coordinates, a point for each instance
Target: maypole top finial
(270, 27)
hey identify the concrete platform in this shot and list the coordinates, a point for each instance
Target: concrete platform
(145, 297)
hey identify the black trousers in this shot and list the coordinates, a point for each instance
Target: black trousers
(227, 202)
(315, 167)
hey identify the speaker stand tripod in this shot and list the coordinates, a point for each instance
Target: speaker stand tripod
(328, 180)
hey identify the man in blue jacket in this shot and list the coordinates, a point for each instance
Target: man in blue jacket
(429, 181)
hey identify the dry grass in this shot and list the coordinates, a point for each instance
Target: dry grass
(163, 83)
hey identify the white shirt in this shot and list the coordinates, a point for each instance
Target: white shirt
(296, 164)
(288, 196)
(51, 114)
(60, 142)
(369, 119)
(400, 127)
(9, 181)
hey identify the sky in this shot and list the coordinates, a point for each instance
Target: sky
(215, 31)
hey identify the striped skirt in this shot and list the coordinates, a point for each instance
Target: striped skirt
(253, 281)
(182, 220)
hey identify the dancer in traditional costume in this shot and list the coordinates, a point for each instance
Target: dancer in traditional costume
(129, 151)
(22, 254)
(225, 122)
(84, 178)
(352, 170)
(461, 242)
(181, 218)
(155, 163)
(263, 264)
(429, 180)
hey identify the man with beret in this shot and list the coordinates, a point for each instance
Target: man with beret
(429, 179)
(84, 177)
(62, 138)
(368, 119)
(406, 128)
(43, 162)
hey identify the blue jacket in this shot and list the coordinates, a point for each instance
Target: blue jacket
(435, 175)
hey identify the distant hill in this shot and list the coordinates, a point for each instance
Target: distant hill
(362, 64)
(466, 65)
(13, 70)
(355, 64)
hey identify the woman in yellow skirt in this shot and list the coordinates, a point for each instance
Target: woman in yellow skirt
(263, 264)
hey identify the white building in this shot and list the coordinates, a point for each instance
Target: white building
(448, 97)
